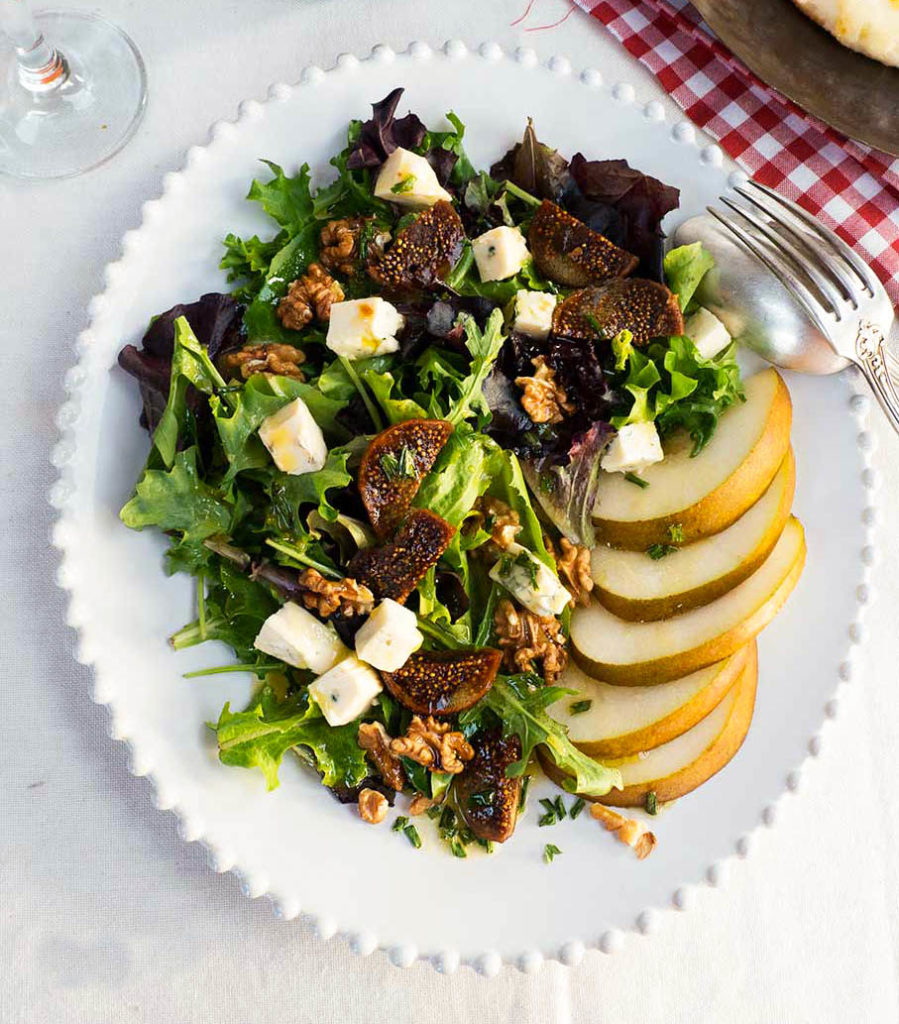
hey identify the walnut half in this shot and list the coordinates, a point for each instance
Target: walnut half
(626, 830)
(310, 296)
(544, 398)
(526, 638)
(327, 596)
(431, 743)
(284, 360)
(573, 563)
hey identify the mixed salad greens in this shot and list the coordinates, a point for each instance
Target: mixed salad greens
(378, 443)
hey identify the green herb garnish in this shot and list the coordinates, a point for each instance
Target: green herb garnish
(403, 185)
(576, 807)
(399, 824)
(411, 833)
(523, 794)
(482, 799)
(632, 478)
(657, 551)
(399, 467)
(550, 852)
(676, 533)
(578, 707)
(651, 802)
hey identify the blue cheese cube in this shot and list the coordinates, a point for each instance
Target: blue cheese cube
(633, 448)
(500, 253)
(346, 691)
(298, 638)
(534, 585)
(407, 179)
(389, 636)
(534, 313)
(707, 333)
(294, 439)
(360, 328)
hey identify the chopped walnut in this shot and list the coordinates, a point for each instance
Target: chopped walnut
(309, 296)
(327, 596)
(526, 638)
(373, 739)
(372, 806)
(429, 742)
(629, 831)
(544, 398)
(274, 358)
(573, 563)
(420, 804)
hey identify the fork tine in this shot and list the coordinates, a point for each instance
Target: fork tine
(805, 298)
(810, 244)
(801, 263)
(864, 272)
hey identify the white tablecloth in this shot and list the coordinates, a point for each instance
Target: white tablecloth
(106, 916)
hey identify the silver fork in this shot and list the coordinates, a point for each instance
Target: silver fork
(838, 292)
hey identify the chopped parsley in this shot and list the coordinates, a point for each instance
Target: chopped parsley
(657, 551)
(578, 707)
(676, 533)
(632, 478)
(522, 560)
(398, 467)
(403, 185)
(550, 852)
(399, 824)
(482, 799)
(651, 802)
(576, 807)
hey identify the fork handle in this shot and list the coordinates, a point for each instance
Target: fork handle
(871, 360)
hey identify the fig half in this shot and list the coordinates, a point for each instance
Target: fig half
(423, 253)
(393, 466)
(395, 569)
(487, 798)
(645, 308)
(568, 252)
(444, 682)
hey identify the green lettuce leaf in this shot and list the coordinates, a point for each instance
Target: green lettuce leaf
(484, 348)
(520, 703)
(178, 500)
(286, 200)
(288, 493)
(260, 736)
(463, 471)
(685, 267)
(260, 397)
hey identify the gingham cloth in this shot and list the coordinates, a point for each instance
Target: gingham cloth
(852, 188)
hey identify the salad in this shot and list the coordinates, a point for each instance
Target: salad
(378, 455)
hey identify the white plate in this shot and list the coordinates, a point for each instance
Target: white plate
(297, 844)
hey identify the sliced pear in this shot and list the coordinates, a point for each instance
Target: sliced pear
(634, 587)
(701, 495)
(624, 720)
(644, 653)
(681, 765)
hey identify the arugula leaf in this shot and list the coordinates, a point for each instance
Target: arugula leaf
(287, 265)
(484, 348)
(396, 410)
(464, 279)
(177, 499)
(520, 702)
(260, 736)
(685, 267)
(248, 259)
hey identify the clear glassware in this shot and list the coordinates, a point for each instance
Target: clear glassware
(73, 95)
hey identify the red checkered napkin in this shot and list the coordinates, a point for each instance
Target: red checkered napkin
(853, 189)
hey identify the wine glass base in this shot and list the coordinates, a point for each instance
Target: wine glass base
(86, 120)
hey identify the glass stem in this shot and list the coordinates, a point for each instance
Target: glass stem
(41, 68)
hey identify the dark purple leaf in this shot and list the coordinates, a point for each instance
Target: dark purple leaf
(382, 133)
(534, 167)
(217, 321)
(639, 201)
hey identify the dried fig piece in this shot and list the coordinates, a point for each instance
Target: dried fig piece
(487, 798)
(646, 308)
(444, 682)
(424, 252)
(568, 252)
(395, 569)
(393, 466)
